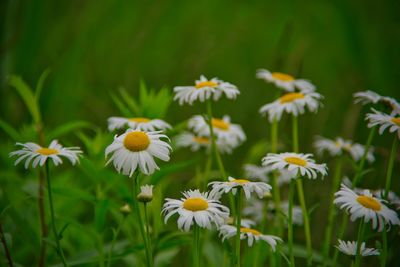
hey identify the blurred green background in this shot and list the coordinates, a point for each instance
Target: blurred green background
(94, 47)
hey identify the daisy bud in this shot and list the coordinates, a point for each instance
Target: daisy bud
(146, 194)
(125, 209)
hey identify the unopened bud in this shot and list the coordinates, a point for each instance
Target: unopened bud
(126, 209)
(146, 193)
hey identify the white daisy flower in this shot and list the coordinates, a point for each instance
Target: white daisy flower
(392, 198)
(195, 143)
(285, 81)
(292, 103)
(137, 149)
(244, 222)
(223, 128)
(39, 155)
(141, 124)
(205, 89)
(296, 163)
(384, 121)
(196, 207)
(263, 174)
(366, 97)
(365, 206)
(146, 193)
(248, 187)
(340, 146)
(350, 248)
(228, 231)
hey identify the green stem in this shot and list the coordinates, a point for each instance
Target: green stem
(299, 183)
(295, 134)
(238, 223)
(359, 241)
(390, 166)
(389, 173)
(364, 157)
(290, 223)
(53, 221)
(147, 222)
(331, 210)
(213, 142)
(116, 233)
(149, 260)
(196, 256)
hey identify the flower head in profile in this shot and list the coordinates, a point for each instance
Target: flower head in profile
(365, 206)
(136, 150)
(228, 231)
(205, 89)
(384, 121)
(146, 193)
(38, 155)
(223, 129)
(367, 97)
(292, 103)
(137, 123)
(195, 143)
(196, 208)
(339, 146)
(350, 248)
(297, 164)
(233, 184)
(285, 81)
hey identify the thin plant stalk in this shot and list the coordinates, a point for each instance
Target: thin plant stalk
(290, 223)
(213, 142)
(147, 223)
(357, 176)
(331, 210)
(149, 260)
(389, 173)
(300, 191)
(359, 241)
(196, 255)
(238, 224)
(53, 223)
(5, 247)
(115, 235)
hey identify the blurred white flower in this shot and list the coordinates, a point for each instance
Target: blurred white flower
(350, 248)
(38, 155)
(285, 81)
(195, 143)
(384, 121)
(141, 124)
(205, 89)
(292, 103)
(260, 188)
(146, 193)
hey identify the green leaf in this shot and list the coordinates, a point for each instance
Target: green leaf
(39, 85)
(27, 96)
(121, 106)
(10, 131)
(130, 102)
(68, 127)
(100, 213)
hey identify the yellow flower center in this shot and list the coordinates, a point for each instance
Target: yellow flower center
(396, 121)
(248, 230)
(296, 161)
(282, 76)
(195, 204)
(139, 120)
(136, 141)
(46, 151)
(220, 124)
(240, 181)
(201, 140)
(290, 97)
(206, 84)
(369, 203)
